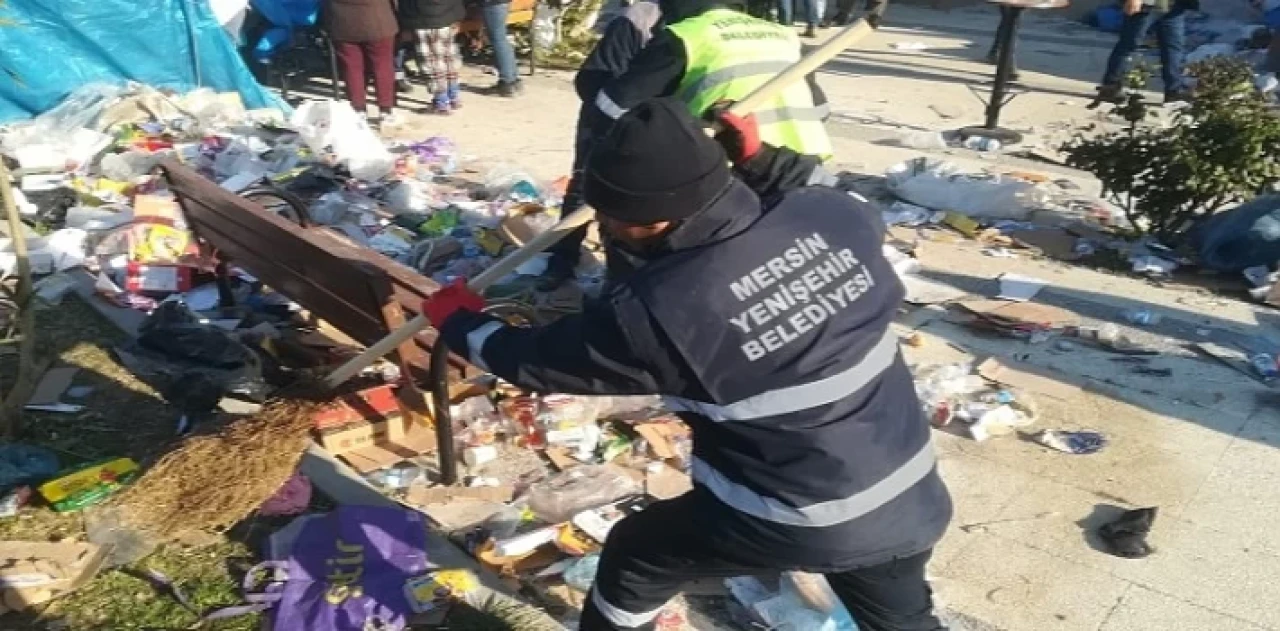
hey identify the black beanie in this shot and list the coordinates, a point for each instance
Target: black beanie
(655, 164)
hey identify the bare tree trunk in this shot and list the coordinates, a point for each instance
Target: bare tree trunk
(15, 400)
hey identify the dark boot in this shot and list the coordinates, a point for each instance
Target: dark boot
(811, 31)
(1181, 96)
(403, 86)
(1111, 93)
(509, 90)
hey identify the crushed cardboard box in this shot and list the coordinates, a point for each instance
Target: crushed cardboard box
(33, 572)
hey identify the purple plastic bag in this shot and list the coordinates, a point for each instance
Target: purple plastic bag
(346, 571)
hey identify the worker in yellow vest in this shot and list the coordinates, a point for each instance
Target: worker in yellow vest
(709, 53)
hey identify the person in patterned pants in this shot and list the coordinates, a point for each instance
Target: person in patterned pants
(435, 22)
(439, 57)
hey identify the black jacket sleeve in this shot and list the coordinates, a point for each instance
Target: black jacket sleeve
(586, 353)
(655, 72)
(776, 170)
(621, 42)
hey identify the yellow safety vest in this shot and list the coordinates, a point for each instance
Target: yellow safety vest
(730, 55)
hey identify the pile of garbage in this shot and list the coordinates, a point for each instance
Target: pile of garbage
(90, 189)
(1018, 210)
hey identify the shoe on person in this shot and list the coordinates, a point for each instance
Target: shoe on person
(403, 86)
(1111, 93)
(509, 89)
(810, 31)
(454, 93)
(1179, 97)
(441, 105)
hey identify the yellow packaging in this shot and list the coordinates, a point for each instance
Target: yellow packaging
(962, 223)
(489, 241)
(61, 488)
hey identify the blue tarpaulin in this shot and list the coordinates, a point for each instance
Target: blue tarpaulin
(50, 47)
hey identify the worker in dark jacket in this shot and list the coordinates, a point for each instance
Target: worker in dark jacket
(434, 22)
(708, 53)
(766, 326)
(623, 39)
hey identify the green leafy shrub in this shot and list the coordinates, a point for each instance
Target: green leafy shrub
(1220, 150)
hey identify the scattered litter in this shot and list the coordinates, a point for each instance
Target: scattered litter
(1030, 378)
(982, 143)
(12, 501)
(1141, 317)
(1020, 288)
(48, 392)
(1152, 265)
(570, 492)
(1072, 442)
(785, 608)
(923, 140)
(999, 253)
(1126, 536)
(901, 213)
(909, 46)
(293, 497)
(1264, 364)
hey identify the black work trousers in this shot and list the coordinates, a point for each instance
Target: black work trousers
(649, 557)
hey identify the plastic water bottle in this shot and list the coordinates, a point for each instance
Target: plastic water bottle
(1141, 317)
(1266, 366)
(981, 143)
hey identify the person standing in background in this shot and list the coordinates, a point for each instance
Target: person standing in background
(812, 14)
(495, 14)
(623, 39)
(1168, 17)
(840, 12)
(364, 38)
(435, 22)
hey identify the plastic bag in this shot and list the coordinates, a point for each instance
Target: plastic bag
(941, 186)
(510, 182)
(410, 196)
(560, 497)
(334, 124)
(545, 34)
(1243, 237)
(25, 464)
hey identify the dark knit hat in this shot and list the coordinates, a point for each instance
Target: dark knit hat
(655, 164)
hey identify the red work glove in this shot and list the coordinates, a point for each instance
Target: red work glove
(738, 135)
(449, 300)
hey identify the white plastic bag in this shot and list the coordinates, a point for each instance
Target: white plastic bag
(941, 186)
(545, 34)
(334, 124)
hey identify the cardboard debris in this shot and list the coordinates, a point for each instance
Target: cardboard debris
(1019, 314)
(370, 446)
(560, 458)
(1020, 288)
(1027, 377)
(420, 495)
(34, 572)
(1053, 243)
(660, 433)
(667, 483)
